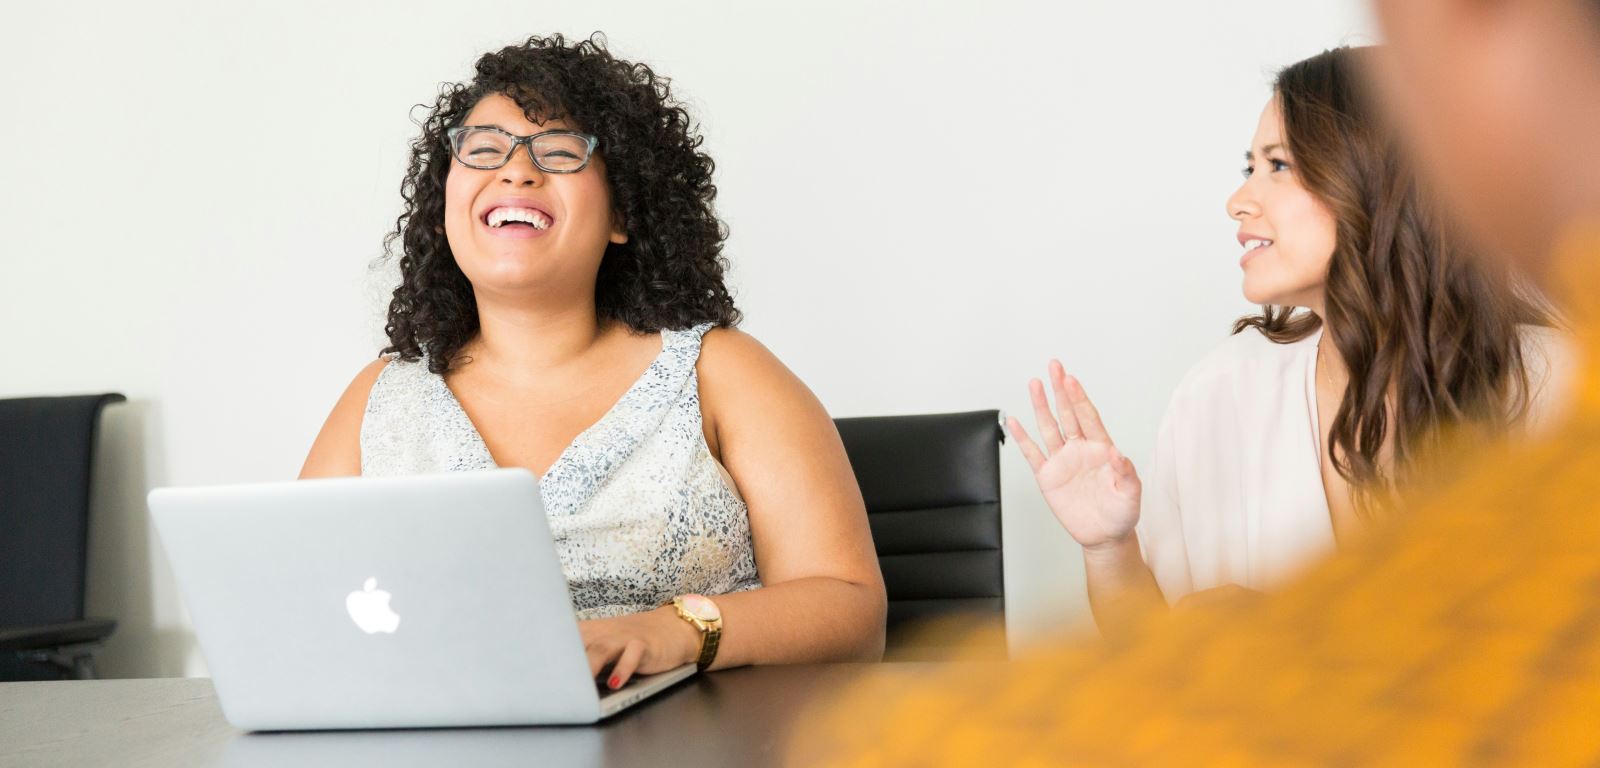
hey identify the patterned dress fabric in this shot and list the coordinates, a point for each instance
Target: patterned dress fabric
(640, 510)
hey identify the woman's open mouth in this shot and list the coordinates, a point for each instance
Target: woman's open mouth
(515, 220)
(1253, 247)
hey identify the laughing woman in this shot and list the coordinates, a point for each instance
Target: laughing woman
(1378, 335)
(562, 309)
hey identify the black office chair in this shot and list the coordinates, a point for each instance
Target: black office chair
(932, 487)
(46, 453)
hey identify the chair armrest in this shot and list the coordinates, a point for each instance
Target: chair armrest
(56, 635)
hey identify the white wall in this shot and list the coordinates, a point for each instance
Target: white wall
(927, 200)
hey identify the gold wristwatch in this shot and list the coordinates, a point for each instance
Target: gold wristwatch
(699, 611)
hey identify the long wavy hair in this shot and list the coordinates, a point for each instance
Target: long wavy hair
(1429, 333)
(670, 273)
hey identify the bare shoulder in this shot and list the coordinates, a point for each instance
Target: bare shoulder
(337, 449)
(744, 386)
(360, 387)
(732, 353)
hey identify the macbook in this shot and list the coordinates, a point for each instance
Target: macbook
(426, 601)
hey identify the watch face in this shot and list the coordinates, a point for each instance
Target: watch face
(701, 607)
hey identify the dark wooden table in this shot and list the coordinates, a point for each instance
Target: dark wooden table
(737, 717)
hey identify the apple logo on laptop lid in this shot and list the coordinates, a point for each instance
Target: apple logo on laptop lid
(370, 609)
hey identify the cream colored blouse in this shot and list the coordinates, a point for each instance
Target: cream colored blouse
(1235, 494)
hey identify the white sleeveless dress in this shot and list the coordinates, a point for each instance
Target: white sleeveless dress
(640, 509)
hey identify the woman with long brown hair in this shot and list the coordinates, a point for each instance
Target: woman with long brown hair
(1378, 336)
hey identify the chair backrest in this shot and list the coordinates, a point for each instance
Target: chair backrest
(46, 453)
(932, 488)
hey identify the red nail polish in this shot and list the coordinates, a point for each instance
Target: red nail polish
(615, 682)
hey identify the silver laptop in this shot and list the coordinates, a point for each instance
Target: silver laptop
(425, 601)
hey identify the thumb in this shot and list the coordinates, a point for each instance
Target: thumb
(1120, 464)
(1124, 477)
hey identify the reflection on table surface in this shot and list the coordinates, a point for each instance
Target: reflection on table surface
(737, 717)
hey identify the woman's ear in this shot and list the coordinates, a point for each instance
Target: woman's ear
(618, 234)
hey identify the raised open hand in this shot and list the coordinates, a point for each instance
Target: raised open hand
(1090, 486)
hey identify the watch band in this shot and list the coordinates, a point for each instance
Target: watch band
(710, 638)
(710, 628)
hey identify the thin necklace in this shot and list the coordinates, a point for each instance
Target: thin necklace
(1327, 374)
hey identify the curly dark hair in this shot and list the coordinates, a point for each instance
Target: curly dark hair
(669, 275)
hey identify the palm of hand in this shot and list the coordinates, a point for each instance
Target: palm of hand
(1082, 487)
(1090, 486)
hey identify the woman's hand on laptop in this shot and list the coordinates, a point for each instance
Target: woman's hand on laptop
(639, 643)
(1090, 486)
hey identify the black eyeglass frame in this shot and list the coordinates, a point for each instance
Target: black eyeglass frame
(590, 142)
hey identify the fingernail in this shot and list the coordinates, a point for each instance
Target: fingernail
(615, 682)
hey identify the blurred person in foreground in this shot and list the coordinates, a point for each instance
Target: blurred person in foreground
(1469, 633)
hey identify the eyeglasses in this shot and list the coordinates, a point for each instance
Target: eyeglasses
(487, 148)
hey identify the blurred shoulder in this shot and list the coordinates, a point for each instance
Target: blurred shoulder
(1550, 357)
(1547, 346)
